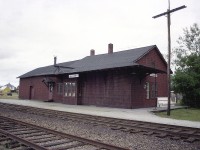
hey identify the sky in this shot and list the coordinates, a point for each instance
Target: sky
(32, 32)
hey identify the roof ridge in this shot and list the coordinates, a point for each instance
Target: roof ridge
(121, 51)
(97, 62)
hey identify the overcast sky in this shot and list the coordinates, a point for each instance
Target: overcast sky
(32, 32)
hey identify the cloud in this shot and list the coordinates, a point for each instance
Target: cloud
(32, 32)
(6, 54)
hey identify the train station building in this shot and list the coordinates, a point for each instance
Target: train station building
(125, 79)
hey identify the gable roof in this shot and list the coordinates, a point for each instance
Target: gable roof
(49, 70)
(91, 63)
(107, 61)
(10, 86)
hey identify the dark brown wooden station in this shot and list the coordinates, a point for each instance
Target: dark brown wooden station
(126, 79)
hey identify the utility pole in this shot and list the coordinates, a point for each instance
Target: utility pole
(168, 12)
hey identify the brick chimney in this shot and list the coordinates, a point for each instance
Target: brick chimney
(92, 52)
(55, 59)
(110, 48)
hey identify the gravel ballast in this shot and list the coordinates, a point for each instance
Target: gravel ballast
(101, 133)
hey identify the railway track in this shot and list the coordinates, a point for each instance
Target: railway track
(187, 134)
(15, 134)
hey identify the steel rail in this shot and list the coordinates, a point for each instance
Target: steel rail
(21, 140)
(184, 132)
(76, 138)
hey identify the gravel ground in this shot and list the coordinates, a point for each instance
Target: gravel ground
(132, 141)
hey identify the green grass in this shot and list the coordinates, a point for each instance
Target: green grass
(14, 96)
(191, 114)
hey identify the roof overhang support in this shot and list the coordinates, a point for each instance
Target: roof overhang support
(48, 81)
(143, 71)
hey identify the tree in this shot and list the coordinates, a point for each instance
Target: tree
(187, 72)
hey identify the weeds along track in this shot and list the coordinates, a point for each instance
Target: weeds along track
(187, 134)
(17, 134)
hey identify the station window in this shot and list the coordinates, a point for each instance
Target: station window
(60, 88)
(70, 89)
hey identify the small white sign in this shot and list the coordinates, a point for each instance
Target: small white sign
(153, 75)
(73, 75)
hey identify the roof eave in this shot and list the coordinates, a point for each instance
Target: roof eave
(146, 69)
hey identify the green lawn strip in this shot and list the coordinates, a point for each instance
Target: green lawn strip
(5, 96)
(191, 114)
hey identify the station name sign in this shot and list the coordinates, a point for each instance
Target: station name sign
(73, 75)
(153, 75)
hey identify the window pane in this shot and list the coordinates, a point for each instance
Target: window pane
(147, 85)
(66, 89)
(73, 89)
(69, 89)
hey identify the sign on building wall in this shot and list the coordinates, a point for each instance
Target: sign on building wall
(153, 75)
(73, 75)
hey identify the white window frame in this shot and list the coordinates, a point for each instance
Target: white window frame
(147, 90)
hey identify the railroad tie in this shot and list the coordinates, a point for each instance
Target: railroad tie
(117, 128)
(188, 132)
(2, 139)
(12, 144)
(175, 138)
(56, 142)
(135, 131)
(126, 129)
(44, 139)
(149, 133)
(73, 146)
(190, 140)
(162, 135)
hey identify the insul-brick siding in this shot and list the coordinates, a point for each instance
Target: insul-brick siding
(33, 88)
(154, 57)
(107, 88)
